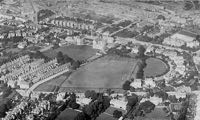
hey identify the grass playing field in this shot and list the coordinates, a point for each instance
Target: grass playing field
(82, 52)
(107, 72)
(51, 85)
(70, 114)
(155, 67)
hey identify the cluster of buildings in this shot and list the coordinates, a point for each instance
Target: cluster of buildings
(10, 115)
(97, 42)
(197, 117)
(73, 23)
(175, 58)
(12, 65)
(182, 38)
(43, 105)
(26, 111)
(24, 72)
(147, 83)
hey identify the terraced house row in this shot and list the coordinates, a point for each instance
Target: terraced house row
(73, 23)
(14, 64)
(26, 71)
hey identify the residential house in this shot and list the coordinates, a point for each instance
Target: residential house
(22, 45)
(193, 44)
(12, 83)
(137, 83)
(24, 84)
(154, 100)
(135, 49)
(99, 44)
(181, 38)
(149, 83)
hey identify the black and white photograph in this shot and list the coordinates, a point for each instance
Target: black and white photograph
(99, 59)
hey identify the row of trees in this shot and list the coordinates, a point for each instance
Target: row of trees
(71, 102)
(5, 105)
(135, 108)
(142, 64)
(122, 52)
(62, 59)
(191, 4)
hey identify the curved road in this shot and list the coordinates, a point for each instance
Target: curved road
(45, 80)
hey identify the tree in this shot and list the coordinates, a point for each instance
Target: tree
(41, 96)
(68, 59)
(183, 111)
(172, 98)
(109, 91)
(162, 84)
(198, 38)
(141, 51)
(94, 95)
(60, 57)
(74, 105)
(49, 97)
(3, 110)
(132, 100)
(188, 5)
(161, 17)
(126, 85)
(117, 114)
(140, 73)
(135, 108)
(76, 64)
(131, 106)
(7, 91)
(150, 92)
(72, 97)
(91, 94)
(147, 106)
(87, 94)
(95, 108)
(82, 116)
(132, 89)
(162, 94)
(66, 95)
(5, 105)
